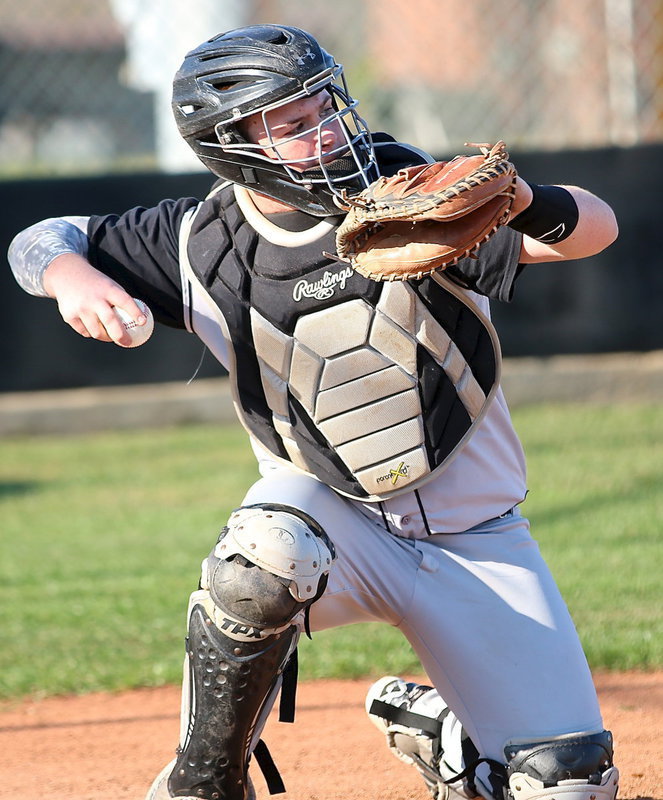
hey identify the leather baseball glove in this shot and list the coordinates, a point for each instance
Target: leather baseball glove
(427, 217)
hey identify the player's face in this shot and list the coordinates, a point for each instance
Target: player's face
(297, 132)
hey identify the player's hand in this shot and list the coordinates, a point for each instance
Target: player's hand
(86, 298)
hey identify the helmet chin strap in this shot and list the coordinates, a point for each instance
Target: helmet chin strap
(272, 232)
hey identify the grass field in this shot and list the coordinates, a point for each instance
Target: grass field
(102, 539)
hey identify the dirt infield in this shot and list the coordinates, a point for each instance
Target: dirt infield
(109, 746)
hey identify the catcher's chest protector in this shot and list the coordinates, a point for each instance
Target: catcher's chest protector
(370, 387)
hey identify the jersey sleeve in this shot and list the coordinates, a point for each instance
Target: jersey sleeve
(140, 250)
(495, 270)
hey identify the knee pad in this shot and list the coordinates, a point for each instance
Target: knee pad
(576, 767)
(270, 562)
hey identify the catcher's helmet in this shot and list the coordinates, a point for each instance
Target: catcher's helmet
(254, 70)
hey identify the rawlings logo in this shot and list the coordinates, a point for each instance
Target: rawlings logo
(324, 288)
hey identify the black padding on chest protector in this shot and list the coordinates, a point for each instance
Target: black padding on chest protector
(220, 244)
(464, 327)
(274, 285)
(447, 420)
(276, 276)
(322, 460)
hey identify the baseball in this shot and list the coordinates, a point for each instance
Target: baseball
(139, 333)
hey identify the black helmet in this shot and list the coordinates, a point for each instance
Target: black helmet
(254, 70)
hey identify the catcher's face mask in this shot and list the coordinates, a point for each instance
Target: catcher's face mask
(316, 135)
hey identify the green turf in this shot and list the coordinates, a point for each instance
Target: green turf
(102, 538)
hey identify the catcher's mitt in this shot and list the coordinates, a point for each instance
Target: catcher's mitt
(427, 217)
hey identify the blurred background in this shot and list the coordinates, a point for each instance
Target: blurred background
(575, 89)
(86, 83)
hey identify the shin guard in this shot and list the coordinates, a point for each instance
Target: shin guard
(231, 685)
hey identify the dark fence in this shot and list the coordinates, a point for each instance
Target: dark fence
(608, 303)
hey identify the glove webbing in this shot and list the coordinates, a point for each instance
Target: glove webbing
(411, 208)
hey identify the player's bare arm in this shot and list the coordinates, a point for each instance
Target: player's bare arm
(49, 259)
(595, 229)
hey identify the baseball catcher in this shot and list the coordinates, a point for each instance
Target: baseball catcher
(344, 280)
